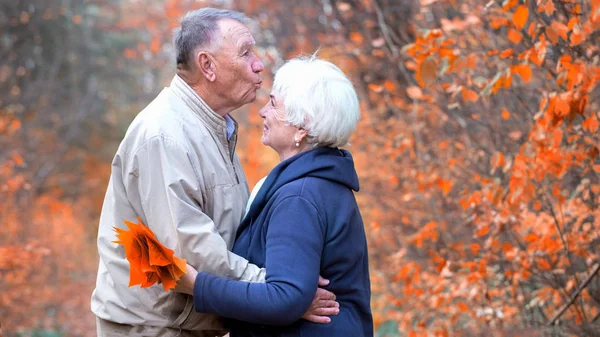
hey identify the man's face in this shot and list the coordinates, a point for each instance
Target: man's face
(238, 68)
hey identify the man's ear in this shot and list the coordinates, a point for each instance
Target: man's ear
(206, 65)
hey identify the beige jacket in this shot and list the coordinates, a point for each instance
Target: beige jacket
(177, 171)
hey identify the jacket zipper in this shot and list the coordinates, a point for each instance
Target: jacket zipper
(232, 153)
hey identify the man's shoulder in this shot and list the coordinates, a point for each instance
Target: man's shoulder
(165, 118)
(149, 125)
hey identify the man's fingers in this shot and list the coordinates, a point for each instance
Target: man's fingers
(323, 294)
(326, 311)
(318, 319)
(325, 304)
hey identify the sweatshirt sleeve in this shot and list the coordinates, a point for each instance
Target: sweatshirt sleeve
(168, 186)
(294, 243)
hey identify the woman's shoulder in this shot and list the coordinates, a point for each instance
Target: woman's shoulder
(313, 189)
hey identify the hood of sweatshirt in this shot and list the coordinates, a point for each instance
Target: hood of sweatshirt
(328, 163)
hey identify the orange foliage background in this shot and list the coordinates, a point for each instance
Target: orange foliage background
(477, 153)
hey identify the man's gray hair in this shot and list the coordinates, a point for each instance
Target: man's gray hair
(198, 28)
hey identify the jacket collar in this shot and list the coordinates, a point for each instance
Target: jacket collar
(213, 120)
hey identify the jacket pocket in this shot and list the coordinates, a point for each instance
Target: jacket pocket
(187, 309)
(191, 320)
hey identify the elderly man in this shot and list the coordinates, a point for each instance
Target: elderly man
(177, 170)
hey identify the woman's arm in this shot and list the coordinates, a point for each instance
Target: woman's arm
(294, 243)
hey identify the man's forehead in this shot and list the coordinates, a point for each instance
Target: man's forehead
(234, 29)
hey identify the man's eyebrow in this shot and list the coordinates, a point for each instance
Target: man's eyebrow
(246, 44)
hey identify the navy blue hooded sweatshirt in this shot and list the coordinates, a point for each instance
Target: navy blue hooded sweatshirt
(304, 222)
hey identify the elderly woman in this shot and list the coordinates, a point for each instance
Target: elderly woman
(303, 220)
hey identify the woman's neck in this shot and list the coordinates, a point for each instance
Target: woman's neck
(283, 155)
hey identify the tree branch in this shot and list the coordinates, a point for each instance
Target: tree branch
(575, 295)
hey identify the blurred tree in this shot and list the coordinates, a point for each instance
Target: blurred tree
(64, 87)
(477, 150)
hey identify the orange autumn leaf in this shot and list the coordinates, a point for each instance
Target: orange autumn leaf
(520, 16)
(543, 264)
(552, 35)
(482, 231)
(514, 36)
(375, 87)
(548, 8)
(470, 95)
(472, 61)
(149, 261)
(576, 38)
(389, 86)
(522, 70)
(427, 72)
(130, 53)
(561, 107)
(414, 92)
(508, 5)
(357, 37)
(505, 114)
(590, 124)
(506, 53)
(497, 160)
(155, 45)
(560, 29)
(17, 159)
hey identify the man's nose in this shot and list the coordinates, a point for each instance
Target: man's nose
(258, 66)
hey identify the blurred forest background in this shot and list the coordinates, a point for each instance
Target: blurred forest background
(478, 151)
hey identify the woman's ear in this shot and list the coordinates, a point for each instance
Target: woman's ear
(206, 65)
(300, 135)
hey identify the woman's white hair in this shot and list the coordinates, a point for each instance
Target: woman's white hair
(318, 97)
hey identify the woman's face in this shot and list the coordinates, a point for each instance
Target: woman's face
(277, 133)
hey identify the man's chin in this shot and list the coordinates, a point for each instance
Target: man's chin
(252, 97)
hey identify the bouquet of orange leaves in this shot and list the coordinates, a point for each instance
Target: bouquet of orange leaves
(150, 262)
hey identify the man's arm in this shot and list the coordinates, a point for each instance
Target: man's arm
(168, 186)
(165, 179)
